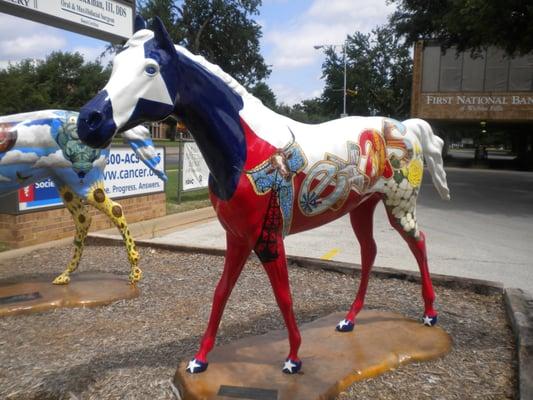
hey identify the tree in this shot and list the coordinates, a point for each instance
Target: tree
(62, 80)
(263, 92)
(471, 24)
(379, 73)
(223, 31)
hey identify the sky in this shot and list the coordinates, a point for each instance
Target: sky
(290, 30)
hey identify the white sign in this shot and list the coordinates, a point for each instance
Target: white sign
(109, 16)
(195, 171)
(126, 175)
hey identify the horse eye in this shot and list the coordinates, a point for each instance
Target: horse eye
(150, 70)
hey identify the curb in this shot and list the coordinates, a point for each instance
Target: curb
(476, 285)
(518, 304)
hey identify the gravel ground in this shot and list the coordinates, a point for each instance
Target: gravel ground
(130, 349)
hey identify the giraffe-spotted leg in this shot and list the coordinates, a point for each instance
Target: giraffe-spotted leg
(82, 220)
(97, 198)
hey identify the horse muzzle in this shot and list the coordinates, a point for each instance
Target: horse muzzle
(96, 126)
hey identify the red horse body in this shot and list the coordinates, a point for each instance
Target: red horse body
(272, 176)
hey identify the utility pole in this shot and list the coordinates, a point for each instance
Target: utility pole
(320, 46)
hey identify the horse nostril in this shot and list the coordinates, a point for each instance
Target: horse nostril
(94, 120)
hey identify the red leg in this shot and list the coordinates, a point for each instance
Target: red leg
(236, 255)
(417, 244)
(279, 279)
(362, 224)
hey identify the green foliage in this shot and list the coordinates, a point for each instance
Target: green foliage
(263, 92)
(309, 111)
(471, 24)
(379, 73)
(189, 200)
(62, 81)
(223, 31)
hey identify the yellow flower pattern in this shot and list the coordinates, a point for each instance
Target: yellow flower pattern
(415, 172)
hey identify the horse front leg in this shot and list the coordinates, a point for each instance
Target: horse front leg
(82, 221)
(361, 219)
(275, 264)
(236, 255)
(98, 198)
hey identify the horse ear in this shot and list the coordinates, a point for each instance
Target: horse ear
(140, 23)
(161, 36)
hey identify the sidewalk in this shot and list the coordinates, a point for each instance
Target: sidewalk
(450, 253)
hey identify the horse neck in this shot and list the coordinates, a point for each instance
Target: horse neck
(210, 110)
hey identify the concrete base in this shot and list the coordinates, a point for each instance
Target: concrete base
(84, 290)
(251, 368)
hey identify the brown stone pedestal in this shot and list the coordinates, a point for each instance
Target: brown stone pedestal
(251, 368)
(84, 290)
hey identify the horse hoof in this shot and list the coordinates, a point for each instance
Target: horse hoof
(429, 321)
(196, 367)
(61, 280)
(291, 366)
(345, 326)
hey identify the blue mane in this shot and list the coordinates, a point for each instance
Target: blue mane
(210, 110)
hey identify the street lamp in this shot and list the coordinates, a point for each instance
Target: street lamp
(320, 46)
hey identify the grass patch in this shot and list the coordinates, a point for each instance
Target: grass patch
(4, 246)
(165, 142)
(157, 142)
(189, 200)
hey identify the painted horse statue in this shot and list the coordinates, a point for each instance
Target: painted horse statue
(271, 176)
(42, 144)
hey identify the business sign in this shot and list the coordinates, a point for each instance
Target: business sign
(195, 171)
(490, 86)
(504, 106)
(124, 175)
(104, 19)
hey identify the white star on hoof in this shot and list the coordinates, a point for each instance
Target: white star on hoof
(343, 323)
(345, 326)
(428, 321)
(192, 366)
(288, 366)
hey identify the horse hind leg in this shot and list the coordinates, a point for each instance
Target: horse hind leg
(82, 221)
(113, 210)
(400, 203)
(361, 219)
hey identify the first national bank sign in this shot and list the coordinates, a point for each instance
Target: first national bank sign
(104, 19)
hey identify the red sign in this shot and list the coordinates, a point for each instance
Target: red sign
(27, 193)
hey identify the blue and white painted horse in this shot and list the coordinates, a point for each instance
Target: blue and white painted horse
(271, 176)
(45, 144)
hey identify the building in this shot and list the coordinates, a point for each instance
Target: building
(476, 96)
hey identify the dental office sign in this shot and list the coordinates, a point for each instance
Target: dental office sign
(125, 175)
(104, 19)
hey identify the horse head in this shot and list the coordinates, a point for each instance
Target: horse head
(143, 86)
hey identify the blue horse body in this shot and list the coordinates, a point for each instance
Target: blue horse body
(43, 128)
(42, 144)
